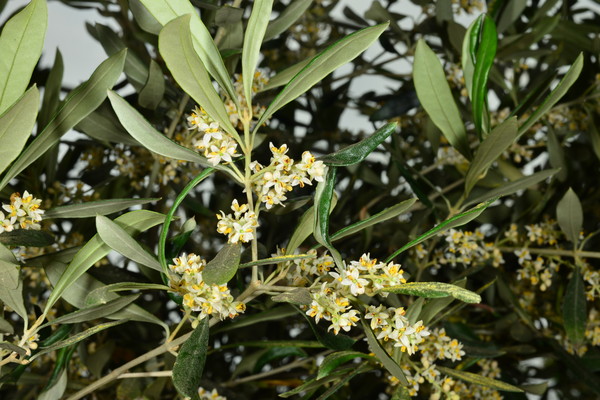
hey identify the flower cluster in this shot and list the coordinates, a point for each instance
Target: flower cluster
(466, 247)
(260, 80)
(300, 272)
(332, 306)
(239, 226)
(536, 271)
(391, 324)
(213, 395)
(23, 212)
(199, 296)
(331, 299)
(440, 346)
(436, 346)
(271, 183)
(215, 143)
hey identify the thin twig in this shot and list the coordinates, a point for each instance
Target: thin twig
(153, 374)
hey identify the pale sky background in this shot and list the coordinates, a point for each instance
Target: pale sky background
(82, 54)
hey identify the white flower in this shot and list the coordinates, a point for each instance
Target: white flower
(240, 226)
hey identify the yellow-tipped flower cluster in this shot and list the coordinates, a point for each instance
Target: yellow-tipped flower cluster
(283, 174)
(23, 212)
(213, 300)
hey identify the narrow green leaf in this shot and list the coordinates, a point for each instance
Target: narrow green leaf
(103, 125)
(14, 298)
(57, 390)
(176, 47)
(512, 187)
(26, 237)
(490, 149)
(387, 361)
(13, 347)
(166, 10)
(570, 215)
(305, 227)
(189, 365)
(323, 199)
(223, 267)
(556, 155)
(357, 152)
(9, 269)
(95, 249)
(16, 125)
(76, 294)
(6, 327)
(537, 389)
(80, 102)
(479, 380)
(134, 68)
(486, 51)
(78, 337)
(382, 216)
(142, 131)
(344, 381)
(334, 360)
(434, 290)
(93, 208)
(468, 54)
(574, 309)
(289, 15)
(435, 96)
(283, 77)
(277, 353)
(162, 240)
(153, 91)
(94, 312)
(511, 13)
(298, 296)
(120, 241)
(314, 384)
(106, 293)
(142, 16)
(276, 260)
(21, 45)
(433, 307)
(52, 89)
(559, 91)
(323, 64)
(457, 220)
(253, 38)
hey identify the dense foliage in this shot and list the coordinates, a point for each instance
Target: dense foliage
(198, 220)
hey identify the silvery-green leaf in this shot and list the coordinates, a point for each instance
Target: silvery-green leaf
(223, 267)
(167, 10)
(499, 139)
(189, 365)
(120, 241)
(435, 97)
(95, 249)
(186, 65)
(142, 131)
(570, 215)
(288, 16)
(93, 208)
(80, 102)
(321, 65)
(21, 45)
(253, 38)
(16, 125)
